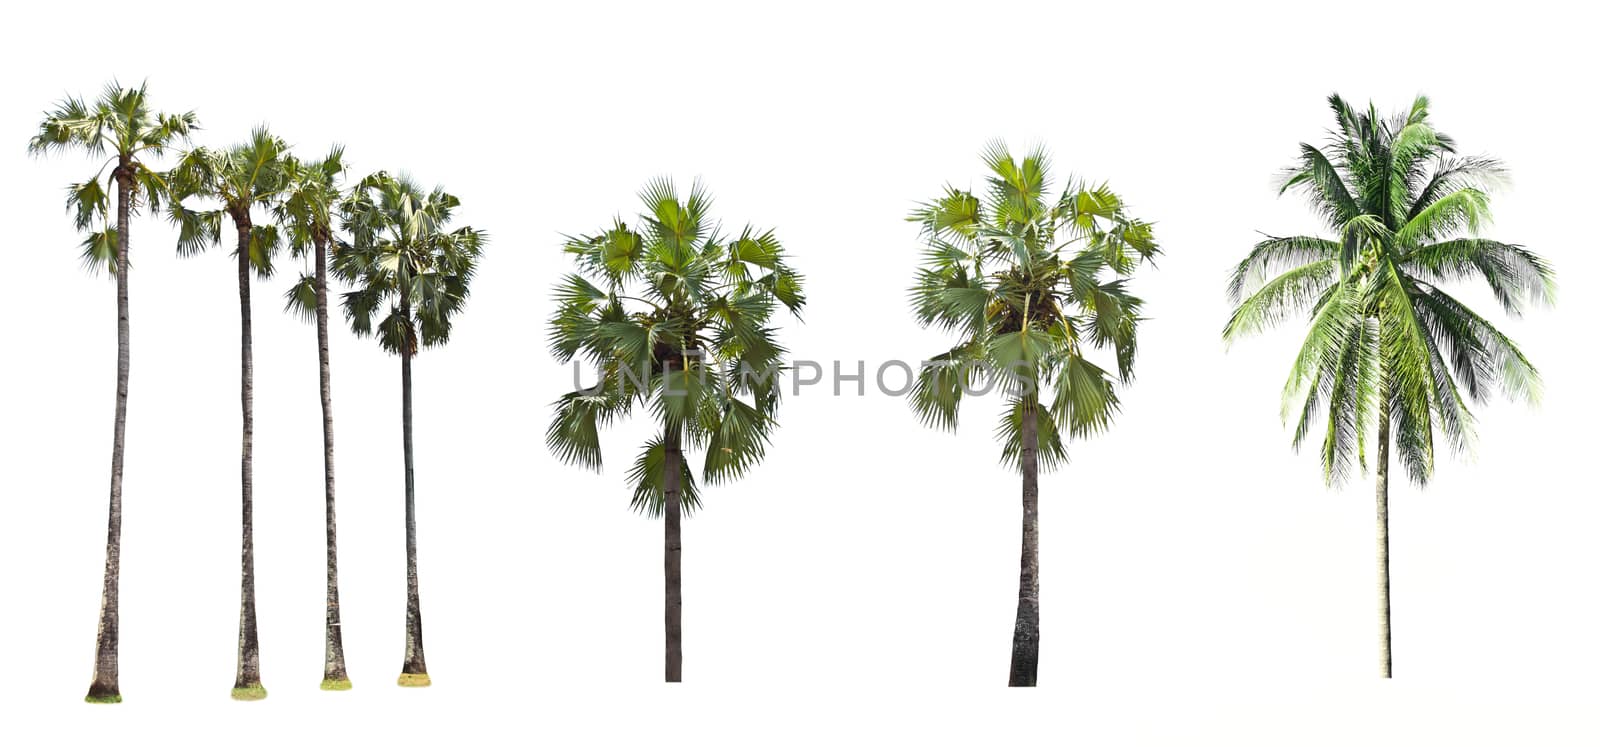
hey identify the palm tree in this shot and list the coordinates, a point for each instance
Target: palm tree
(239, 180)
(675, 317)
(1031, 287)
(307, 210)
(1386, 343)
(403, 256)
(120, 127)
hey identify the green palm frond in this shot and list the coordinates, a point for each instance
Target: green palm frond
(100, 251)
(1275, 255)
(1293, 291)
(1513, 273)
(1052, 450)
(301, 298)
(647, 477)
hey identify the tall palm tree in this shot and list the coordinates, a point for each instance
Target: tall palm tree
(676, 317)
(119, 127)
(1387, 347)
(410, 267)
(1031, 286)
(238, 180)
(307, 210)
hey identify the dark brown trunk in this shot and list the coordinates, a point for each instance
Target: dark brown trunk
(1385, 662)
(1025, 638)
(247, 683)
(414, 673)
(334, 676)
(104, 688)
(671, 478)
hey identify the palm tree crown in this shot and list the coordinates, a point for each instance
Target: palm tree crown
(240, 179)
(120, 127)
(677, 316)
(1031, 286)
(400, 240)
(1386, 342)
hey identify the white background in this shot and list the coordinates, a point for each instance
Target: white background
(1201, 586)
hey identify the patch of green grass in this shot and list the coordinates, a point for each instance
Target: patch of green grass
(253, 692)
(339, 684)
(102, 699)
(414, 680)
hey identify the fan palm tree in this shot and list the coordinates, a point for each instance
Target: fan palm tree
(1387, 347)
(121, 128)
(1031, 287)
(239, 180)
(307, 210)
(408, 266)
(676, 317)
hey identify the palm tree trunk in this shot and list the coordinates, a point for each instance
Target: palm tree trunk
(1385, 662)
(104, 688)
(334, 676)
(414, 673)
(1025, 638)
(247, 683)
(671, 478)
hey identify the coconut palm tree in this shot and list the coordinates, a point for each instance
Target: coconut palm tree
(307, 211)
(1030, 286)
(413, 273)
(1387, 348)
(121, 128)
(237, 181)
(675, 317)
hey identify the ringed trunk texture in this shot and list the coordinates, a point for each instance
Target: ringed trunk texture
(247, 683)
(672, 473)
(414, 673)
(1025, 638)
(103, 688)
(334, 676)
(1385, 662)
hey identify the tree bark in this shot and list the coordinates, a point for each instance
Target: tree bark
(104, 688)
(333, 671)
(1385, 662)
(414, 673)
(1025, 638)
(247, 683)
(671, 478)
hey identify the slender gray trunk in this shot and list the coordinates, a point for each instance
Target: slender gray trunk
(333, 671)
(1025, 638)
(414, 673)
(671, 478)
(1385, 662)
(247, 683)
(104, 688)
